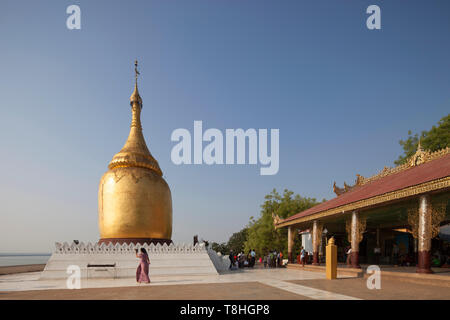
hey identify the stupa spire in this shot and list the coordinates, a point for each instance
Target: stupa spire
(135, 97)
(135, 152)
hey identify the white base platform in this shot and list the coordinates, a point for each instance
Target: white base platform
(165, 260)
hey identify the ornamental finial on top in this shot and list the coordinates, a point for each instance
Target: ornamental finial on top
(135, 97)
(136, 70)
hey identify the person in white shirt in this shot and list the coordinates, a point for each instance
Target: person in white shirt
(349, 253)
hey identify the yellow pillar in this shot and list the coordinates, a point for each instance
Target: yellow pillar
(331, 260)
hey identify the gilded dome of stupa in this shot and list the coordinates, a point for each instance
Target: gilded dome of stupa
(134, 201)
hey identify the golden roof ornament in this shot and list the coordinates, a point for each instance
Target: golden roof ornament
(276, 219)
(419, 157)
(358, 182)
(135, 97)
(135, 152)
(338, 190)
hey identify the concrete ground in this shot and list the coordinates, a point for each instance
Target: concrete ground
(255, 284)
(211, 291)
(390, 289)
(21, 269)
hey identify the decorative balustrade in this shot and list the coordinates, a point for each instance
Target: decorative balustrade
(110, 248)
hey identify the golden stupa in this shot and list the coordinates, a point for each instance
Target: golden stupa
(134, 201)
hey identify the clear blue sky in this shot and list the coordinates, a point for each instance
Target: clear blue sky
(341, 95)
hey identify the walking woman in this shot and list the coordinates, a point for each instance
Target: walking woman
(142, 269)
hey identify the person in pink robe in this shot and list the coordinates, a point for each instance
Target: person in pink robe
(142, 269)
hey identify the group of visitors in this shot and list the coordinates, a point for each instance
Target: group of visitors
(241, 260)
(439, 258)
(273, 259)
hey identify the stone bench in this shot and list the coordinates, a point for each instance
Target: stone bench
(104, 266)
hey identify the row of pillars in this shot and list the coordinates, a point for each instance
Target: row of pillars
(424, 238)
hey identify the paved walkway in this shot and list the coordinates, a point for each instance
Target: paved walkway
(390, 289)
(255, 284)
(309, 292)
(266, 284)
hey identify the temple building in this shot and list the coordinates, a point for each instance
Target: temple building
(134, 201)
(390, 217)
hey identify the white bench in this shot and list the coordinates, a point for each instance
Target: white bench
(103, 267)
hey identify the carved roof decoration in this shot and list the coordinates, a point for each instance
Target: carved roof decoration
(338, 190)
(420, 157)
(424, 172)
(276, 219)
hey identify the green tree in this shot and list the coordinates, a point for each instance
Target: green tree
(220, 247)
(235, 243)
(262, 235)
(438, 137)
(237, 240)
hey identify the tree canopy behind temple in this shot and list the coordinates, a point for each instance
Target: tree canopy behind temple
(235, 243)
(438, 137)
(261, 233)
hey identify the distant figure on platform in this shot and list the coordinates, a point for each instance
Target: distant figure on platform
(395, 253)
(231, 257)
(349, 254)
(252, 258)
(377, 253)
(302, 256)
(280, 259)
(143, 268)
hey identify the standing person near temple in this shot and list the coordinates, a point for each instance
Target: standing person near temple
(231, 257)
(243, 260)
(253, 258)
(377, 253)
(270, 258)
(275, 258)
(349, 253)
(265, 260)
(143, 268)
(395, 252)
(302, 256)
